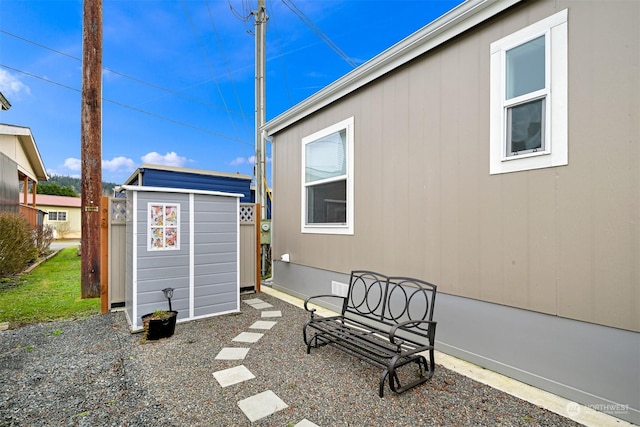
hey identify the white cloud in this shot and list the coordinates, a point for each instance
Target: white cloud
(243, 161)
(169, 159)
(10, 85)
(119, 163)
(73, 164)
(53, 172)
(246, 161)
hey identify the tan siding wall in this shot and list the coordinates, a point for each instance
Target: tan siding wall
(69, 229)
(10, 145)
(563, 241)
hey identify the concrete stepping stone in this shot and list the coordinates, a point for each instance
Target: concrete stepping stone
(263, 324)
(261, 405)
(257, 303)
(235, 375)
(232, 353)
(275, 313)
(248, 337)
(262, 305)
(306, 423)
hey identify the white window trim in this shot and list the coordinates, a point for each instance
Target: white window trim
(150, 226)
(556, 152)
(346, 228)
(58, 212)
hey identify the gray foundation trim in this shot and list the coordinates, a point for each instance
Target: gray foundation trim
(596, 366)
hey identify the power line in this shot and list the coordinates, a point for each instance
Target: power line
(280, 57)
(317, 31)
(206, 60)
(134, 79)
(244, 16)
(227, 68)
(120, 104)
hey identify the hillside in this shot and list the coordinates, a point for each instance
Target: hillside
(67, 181)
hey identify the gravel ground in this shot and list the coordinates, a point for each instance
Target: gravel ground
(93, 372)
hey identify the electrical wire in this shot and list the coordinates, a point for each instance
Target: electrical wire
(280, 57)
(134, 79)
(228, 70)
(120, 104)
(317, 31)
(206, 59)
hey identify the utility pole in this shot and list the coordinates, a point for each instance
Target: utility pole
(261, 20)
(91, 147)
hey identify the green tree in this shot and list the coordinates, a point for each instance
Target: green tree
(56, 189)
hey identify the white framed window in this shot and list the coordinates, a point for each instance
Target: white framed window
(528, 111)
(57, 216)
(163, 226)
(327, 180)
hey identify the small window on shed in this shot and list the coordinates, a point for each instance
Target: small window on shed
(164, 226)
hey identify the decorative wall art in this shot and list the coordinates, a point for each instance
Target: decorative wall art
(164, 226)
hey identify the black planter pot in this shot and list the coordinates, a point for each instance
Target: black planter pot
(159, 328)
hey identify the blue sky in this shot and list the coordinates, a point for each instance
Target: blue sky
(178, 79)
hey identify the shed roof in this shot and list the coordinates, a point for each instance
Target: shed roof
(149, 175)
(134, 176)
(178, 190)
(453, 23)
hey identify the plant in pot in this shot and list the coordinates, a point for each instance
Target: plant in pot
(160, 323)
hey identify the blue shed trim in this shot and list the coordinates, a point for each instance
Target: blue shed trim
(192, 180)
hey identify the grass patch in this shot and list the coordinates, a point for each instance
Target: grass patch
(50, 292)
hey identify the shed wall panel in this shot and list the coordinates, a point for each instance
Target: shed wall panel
(216, 269)
(160, 269)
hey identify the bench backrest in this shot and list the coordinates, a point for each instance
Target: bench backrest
(380, 301)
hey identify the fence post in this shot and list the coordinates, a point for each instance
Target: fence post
(258, 248)
(104, 254)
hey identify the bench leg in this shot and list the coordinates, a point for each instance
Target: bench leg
(304, 333)
(425, 373)
(383, 377)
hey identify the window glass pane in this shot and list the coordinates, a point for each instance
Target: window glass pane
(327, 203)
(53, 216)
(525, 68)
(326, 157)
(62, 216)
(525, 127)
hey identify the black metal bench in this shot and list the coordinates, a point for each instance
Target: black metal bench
(385, 321)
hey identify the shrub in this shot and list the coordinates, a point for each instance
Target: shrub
(17, 247)
(43, 235)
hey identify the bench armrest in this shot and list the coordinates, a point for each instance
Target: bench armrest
(401, 325)
(313, 310)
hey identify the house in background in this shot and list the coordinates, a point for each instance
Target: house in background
(63, 215)
(21, 164)
(495, 153)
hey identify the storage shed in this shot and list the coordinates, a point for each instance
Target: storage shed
(183, 239)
